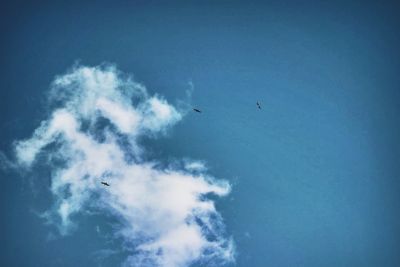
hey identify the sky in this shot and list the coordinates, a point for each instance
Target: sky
(92, 92)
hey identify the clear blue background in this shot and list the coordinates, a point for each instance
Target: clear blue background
(315, 172)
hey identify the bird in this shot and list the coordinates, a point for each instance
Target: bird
(105, 183)
(197, 110)
(258, 105)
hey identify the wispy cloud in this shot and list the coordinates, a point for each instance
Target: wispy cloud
(164, 215)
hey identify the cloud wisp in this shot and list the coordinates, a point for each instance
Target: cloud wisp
(165, 216)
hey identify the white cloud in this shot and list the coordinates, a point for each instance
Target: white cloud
(164, 215)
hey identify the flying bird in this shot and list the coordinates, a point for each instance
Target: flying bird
(105, 183)
(197, 110)
(258, 105)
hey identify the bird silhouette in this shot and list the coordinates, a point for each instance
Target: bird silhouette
(105, 183)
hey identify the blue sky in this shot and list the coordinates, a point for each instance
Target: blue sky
(313, 175)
